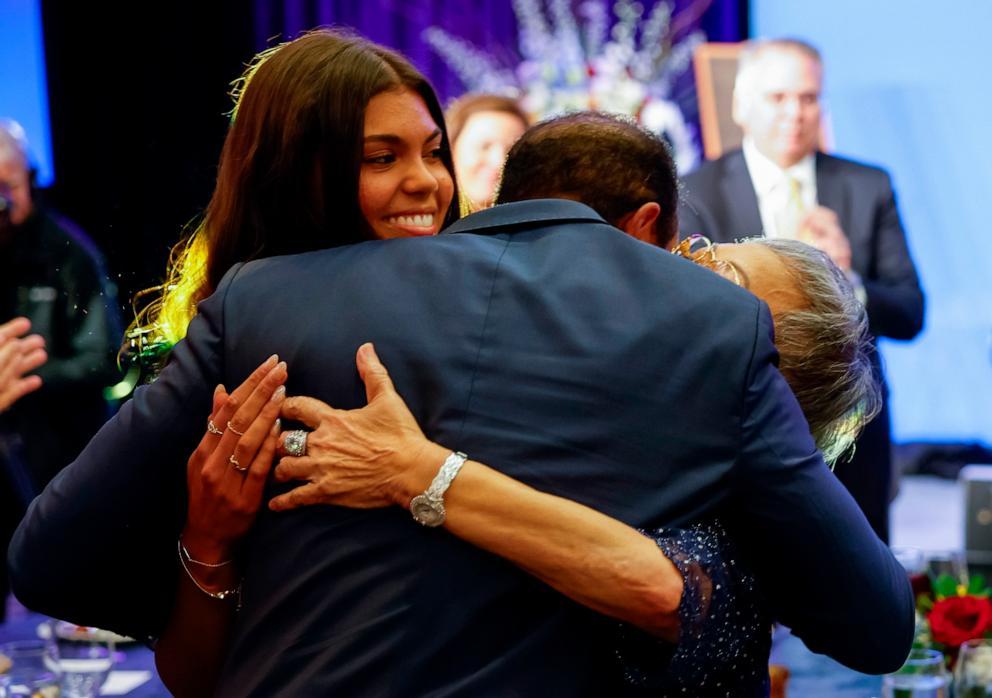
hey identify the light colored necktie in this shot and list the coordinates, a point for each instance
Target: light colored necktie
(790, 216)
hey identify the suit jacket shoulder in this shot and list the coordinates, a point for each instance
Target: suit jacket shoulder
(850, 167)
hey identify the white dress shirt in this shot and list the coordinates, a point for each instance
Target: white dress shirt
(780, 212)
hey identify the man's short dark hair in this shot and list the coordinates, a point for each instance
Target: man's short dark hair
(606, 162)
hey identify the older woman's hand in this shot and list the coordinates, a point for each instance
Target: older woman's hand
(359, 458)
(227, 472)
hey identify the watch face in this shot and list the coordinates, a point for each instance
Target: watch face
(427, 511)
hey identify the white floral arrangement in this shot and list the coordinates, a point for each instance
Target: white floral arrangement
(571, 65)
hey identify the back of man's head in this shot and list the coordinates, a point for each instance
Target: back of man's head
(606, 162)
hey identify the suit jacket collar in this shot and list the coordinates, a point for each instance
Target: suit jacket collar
(533, 212)
(739, 192)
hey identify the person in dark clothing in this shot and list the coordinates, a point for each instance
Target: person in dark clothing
(53, 275)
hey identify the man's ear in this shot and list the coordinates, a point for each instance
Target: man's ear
(641, 223)
(739, 108)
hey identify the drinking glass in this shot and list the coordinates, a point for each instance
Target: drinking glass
(973, 672)
(85, 664)
(949, 562)
(922, 676)
(34, 669)
(915, 564)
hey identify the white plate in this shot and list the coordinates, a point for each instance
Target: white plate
(80, 633)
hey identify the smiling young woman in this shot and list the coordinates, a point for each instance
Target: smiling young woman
(299, 170)
(334, 140)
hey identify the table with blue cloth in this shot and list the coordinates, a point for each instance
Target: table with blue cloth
(130, 656)
(816, 675)
(810, 675)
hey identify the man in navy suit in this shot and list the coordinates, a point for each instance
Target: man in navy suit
(534, 337)
(779, 185)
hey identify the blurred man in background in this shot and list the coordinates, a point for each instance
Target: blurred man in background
(779, 185)
(52, 280)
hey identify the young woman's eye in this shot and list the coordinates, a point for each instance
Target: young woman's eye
(383, 159)
(436, 153)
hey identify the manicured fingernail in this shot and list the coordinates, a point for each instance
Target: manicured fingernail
(271, 360)
(277, 427)
(279, 393)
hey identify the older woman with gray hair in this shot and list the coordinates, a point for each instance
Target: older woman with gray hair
(821, 330)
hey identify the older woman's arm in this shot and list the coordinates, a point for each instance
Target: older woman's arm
(377, 456)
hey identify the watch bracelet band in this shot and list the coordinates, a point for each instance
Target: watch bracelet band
(439, 485)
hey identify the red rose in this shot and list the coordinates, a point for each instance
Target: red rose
(959, 618)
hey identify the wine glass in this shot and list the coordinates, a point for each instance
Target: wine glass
(950, 562)
(915, 564)
(973, 672)
(922, 676)
(34, 669)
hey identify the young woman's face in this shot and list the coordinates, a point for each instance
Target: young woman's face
(404, 189)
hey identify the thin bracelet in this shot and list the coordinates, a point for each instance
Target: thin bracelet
(220, 595)
(189, 558)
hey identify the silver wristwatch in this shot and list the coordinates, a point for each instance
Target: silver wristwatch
(428, 508)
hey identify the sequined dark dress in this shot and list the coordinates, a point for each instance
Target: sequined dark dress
(725, 634)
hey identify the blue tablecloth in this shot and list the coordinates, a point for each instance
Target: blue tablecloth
(818, 676)
(131, 657)
(811, 675)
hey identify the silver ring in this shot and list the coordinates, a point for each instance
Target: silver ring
(231, 427)
(237, 466)
(295, 443)
(212, 428)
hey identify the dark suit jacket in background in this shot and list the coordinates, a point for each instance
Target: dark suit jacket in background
(538, 340)
(718, 200)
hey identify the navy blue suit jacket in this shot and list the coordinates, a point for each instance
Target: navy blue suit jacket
(537, 339)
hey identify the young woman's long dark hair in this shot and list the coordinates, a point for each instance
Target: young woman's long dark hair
(288, 175)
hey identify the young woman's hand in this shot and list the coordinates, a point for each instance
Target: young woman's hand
(227, 472)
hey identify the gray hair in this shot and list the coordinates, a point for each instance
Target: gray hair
(13, 142)
(752, 52)
(825, 349)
